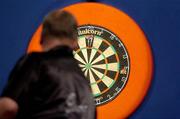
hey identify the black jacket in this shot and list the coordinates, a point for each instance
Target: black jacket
(50, 85)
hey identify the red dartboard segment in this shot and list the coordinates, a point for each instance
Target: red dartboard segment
(134, 41)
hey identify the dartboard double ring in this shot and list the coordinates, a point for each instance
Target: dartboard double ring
(104, 60)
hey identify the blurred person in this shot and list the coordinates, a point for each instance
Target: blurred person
(50, 84)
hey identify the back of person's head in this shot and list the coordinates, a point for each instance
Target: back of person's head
(59, 24)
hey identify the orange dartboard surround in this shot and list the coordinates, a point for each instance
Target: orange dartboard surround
(114, 55)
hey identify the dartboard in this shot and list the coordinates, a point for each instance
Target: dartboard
(104, 60)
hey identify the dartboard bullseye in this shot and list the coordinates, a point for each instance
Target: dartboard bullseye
(104, 60)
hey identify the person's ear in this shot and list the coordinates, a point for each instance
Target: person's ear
(74, 44)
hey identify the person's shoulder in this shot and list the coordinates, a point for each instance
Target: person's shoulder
(29, 59)
(26, 63)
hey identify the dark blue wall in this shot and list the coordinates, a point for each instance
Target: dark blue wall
(160, 20)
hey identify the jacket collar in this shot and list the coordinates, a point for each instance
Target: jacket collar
(61, 51)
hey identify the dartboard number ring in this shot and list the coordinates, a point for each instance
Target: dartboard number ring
(104, 60)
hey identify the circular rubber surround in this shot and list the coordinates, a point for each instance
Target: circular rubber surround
(136, 44)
